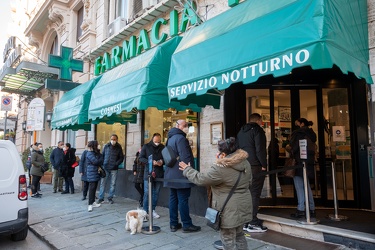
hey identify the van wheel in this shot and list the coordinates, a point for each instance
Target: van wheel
(21, 235)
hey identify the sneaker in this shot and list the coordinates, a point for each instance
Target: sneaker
(90, 208)
(100, 201)
(39, 193)
(256, 228)
(155, 214)
(145, 219)
(244, 227)
(95, 204)
(299, 214)
(36, 196)
(110, 201)
(191, 229)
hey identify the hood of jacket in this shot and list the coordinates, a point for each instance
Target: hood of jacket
(233, 160)
(175, 131)
(249, 126)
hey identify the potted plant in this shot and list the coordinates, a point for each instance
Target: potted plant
(47, 178)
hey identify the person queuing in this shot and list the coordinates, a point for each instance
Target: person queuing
(179, 191)
(138, 172)
(93, 160)
(83, 172)
(252, 139)
(113, 157)
(303, 132)
(154, 148)
(37, 161)
(67, 171)
(222, 176)
(56, 159)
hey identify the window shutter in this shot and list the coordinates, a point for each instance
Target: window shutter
(138, 6)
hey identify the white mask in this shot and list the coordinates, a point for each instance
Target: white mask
(157, 144)
(113, 142)
(186, 130)
(99, 147)
(64, 148)
(40, 149)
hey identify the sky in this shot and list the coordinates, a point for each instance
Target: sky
(4, 19)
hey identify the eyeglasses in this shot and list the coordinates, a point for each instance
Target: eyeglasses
(185, 126)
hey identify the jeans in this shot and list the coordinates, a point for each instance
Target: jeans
(57, 180)
(156, 185)
(179, 201)
(85, 188)
(112, 174)
(69, 183)
(300, 189)
(233, 238)
(92, 191)
(256, 190)
(35, 183)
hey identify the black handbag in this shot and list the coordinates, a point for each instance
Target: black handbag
(44, 167)
(213, 216)
(101, 172)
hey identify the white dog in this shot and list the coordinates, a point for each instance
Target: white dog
(134, 220)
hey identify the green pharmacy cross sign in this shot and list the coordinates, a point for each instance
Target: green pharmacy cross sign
(65, 63)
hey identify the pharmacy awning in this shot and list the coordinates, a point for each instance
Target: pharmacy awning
(71, 112)
(258, 38)
(136, 84)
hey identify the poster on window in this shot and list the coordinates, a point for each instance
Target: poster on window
(338, 133)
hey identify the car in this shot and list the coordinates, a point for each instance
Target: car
(14, 212)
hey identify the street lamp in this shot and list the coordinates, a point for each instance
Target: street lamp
(24, 127)
(49, 117)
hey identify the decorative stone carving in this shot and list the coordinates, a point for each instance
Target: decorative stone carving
(87, 7)
(56, 14)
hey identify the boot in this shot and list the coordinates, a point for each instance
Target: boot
(312, 214)
(299, 214)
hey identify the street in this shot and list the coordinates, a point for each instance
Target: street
(31, 242)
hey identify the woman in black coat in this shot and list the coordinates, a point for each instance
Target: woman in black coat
(94, 159)
(66, 170)
(83, 172)
(138, 172)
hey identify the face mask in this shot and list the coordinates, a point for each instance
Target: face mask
(41, 149)
(99, 147)
(64, 148)
(186, 130)
(113, 142)
(156, 143)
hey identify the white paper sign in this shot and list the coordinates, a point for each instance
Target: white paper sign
(338, 133)
(35, 115)
(303, 149)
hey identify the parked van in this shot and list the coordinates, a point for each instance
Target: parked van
(14, 213)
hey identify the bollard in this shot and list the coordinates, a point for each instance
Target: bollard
(336, 216)
(151, 229)
(307, 207)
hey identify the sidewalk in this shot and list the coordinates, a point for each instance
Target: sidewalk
(64, 222)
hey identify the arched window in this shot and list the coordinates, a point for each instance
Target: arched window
(54, 47)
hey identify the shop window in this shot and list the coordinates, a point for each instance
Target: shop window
(54, 47)
(161, 121)
(104, 132)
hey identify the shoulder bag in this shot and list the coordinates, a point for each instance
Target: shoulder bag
(213, 216)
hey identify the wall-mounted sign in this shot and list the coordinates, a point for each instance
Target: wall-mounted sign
(35, 115)
(6, 103)
(135, 45)
(65, 63)
(303, 149)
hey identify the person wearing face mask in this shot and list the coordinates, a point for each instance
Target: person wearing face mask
(37, 160)
(113, 157)
(179, 191)
(154, 148)
(56, 159)
(66, 170)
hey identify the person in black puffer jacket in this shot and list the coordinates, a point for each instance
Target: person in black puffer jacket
(66, 169)
(154, 148)
(93, 160)
(138, 171)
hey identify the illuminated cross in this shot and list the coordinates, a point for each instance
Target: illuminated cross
(65, 63)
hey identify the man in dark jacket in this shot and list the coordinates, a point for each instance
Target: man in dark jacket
(56, 159)
(113, 157)
(154, 148)
(179, 191)
(252, 139)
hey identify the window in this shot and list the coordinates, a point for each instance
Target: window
(104, 132)
(79, 22)
(122, 8)
(161, 121)
(54, 47)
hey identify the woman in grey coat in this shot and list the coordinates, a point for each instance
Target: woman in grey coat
(222, 176)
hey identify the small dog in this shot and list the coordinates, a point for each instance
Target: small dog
(134, 220)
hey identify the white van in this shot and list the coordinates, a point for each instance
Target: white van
(14, 213)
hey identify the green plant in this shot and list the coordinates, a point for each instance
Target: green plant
(47, 154)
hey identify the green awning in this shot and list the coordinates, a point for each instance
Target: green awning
(268, 37)
(71, 112)
(137, 84)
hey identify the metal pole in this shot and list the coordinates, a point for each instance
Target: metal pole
(344, 180)
(335, 216)
(307, 207)
(5, 123)
(151, 229)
